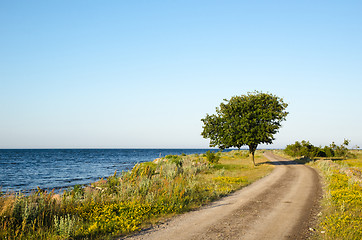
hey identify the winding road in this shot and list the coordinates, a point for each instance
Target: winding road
(282, 205)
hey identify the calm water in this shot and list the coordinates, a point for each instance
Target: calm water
(25, 169)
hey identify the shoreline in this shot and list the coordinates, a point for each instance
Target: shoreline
(119, 205)
(60, 169)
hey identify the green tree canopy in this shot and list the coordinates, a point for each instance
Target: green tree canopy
(250, 119)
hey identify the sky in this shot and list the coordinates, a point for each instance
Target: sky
(141, 74)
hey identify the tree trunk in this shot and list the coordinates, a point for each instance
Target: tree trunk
(252, 149)
(253, 157)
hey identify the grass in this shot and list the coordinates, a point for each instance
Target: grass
(341, 215)
(127, 202)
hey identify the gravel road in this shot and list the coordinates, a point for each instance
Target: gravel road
(283, 205)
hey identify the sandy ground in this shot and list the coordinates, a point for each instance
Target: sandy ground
(283, 205)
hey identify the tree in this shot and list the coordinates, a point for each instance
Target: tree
(249, 119)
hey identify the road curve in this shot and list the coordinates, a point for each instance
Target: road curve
(282, 205)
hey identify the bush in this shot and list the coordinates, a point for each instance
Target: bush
(212, 157)
(177, 160)
(306, 149)
(328, 151)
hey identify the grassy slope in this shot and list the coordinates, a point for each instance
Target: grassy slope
(128, 202)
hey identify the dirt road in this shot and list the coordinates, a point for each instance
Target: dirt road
(282, 205)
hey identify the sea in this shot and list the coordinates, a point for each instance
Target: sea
(23, 170)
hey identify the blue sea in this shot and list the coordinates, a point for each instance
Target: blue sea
(27, 169)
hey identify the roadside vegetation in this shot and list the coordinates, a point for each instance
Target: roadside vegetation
(307, 150)
(341, 214)
(129, 201)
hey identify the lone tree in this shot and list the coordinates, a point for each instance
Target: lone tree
(249, 119)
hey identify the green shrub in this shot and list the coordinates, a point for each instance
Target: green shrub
(328, 151)
(211, 157)
(306, 149)
(65, 226)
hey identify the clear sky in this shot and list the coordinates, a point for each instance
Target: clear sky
(141, 74)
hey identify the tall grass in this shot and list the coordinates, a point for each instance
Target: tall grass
(126, 202)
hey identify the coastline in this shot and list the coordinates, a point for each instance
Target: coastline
(150, 191)
(27, 169)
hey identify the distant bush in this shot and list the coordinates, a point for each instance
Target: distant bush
(306, 149)
(212, 157)
(175, 159)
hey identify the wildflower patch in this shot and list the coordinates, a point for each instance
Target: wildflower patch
(342, 214)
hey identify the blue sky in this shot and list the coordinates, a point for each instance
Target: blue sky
(141, 74)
